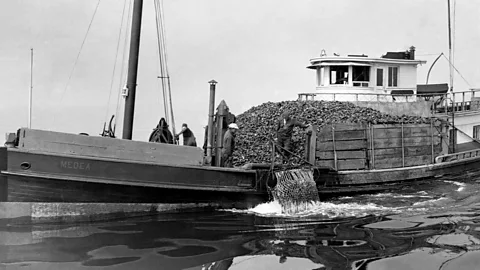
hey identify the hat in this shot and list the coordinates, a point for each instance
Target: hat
(233, 125)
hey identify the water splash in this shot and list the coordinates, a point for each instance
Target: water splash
(326, 210)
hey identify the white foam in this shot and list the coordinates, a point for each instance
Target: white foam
(325, 209)
(392, 195)
(461, 185)
(434, 201)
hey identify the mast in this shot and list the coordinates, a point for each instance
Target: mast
(30, 92)
(451, 76)
(132, 70)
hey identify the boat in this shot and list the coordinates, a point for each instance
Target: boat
(362, 154)
(49, 166)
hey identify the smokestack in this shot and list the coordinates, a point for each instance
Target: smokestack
(412, 53)
(211, 110)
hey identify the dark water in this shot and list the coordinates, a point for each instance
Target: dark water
(432, 225)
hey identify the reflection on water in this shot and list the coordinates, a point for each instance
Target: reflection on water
(434, 225)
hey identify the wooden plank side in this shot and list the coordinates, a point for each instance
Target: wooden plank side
(64, 143)
(411, 141)
(382, 133)
(409, 151)
(350, 164)
(400, 125)
(378, 177)
(342, 145)
(345, 135)
(354, 126)
(354, 154)
(395, 162)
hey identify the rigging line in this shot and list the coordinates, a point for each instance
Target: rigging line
(162, 75)
(158, 66)
(122, 70)
(116, 58)
(457, 71)
(453, 30)
(78, 55)
(162, 71)
(163, 65)
(160, 53)
(164, 39)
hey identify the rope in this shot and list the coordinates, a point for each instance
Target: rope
(78, 57)
(457, 71)
(301, 158)
(160, 56)
(164, 42)
(122, 69)
(116, 57)
(164, 74)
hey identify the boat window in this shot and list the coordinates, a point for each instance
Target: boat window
(380, 77)
(392, 76)
(361, 76)
(338, 74)
(476, 132)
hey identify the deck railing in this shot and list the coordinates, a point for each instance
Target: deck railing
(458, 156)
(459, 102)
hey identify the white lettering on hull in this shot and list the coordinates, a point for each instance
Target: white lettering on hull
(85, 166)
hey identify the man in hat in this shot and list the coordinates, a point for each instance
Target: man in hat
(229, 146)
(285, 127)
(188, 137)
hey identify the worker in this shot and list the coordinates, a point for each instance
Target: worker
(285, 127)
(188, 137)
(229, 145)
(161, 134)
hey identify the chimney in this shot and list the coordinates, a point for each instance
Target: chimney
(412, 53)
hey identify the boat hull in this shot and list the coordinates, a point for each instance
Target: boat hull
(368, 181)
(44, 177)
(27, 176)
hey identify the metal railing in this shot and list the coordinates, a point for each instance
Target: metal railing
(465, 101)
(458, 156)
(359, 97)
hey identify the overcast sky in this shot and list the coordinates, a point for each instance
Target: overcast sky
(257, 51)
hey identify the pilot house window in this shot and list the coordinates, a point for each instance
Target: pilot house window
(339, 75)
(392, 76)
(361, 76)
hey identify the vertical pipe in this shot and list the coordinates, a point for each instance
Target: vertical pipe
(211, 108)
(30, 93)
(132, 70)
(450, 47)
(373, 146)
(431, 132)
(221, 115)
(367, 150)
(272, 157)
(403, 148)
(451, 75)
(334, 148)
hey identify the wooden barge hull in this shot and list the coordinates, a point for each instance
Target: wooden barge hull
(63, 178)
(58, 167)
(44, 177)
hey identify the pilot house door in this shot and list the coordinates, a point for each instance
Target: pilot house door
(380, 79)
